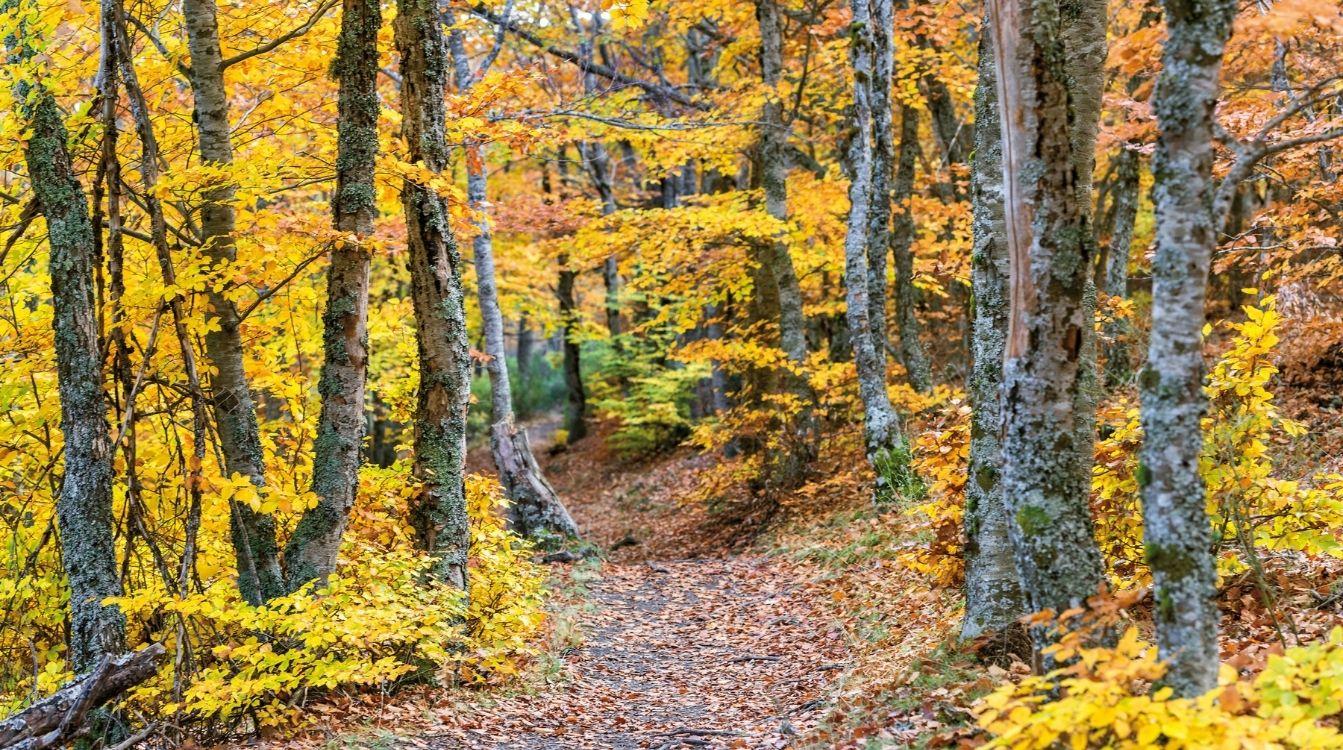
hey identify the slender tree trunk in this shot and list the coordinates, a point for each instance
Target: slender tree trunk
(312, 550)
(576, 401)
(598, 163)
(774, 178)
(1047, 453)
(84, 504)
(877, 81)
(259, 574)
(778, 293)
(993, 598)
(912, 355)
(524, 354)
(868, 194)
(1175, 523)
(1118, 363)
(535, 508)
(439, 512)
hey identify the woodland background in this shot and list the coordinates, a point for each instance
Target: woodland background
(1039, 411)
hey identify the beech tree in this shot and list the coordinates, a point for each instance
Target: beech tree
(535, 507)
(439, 511)
(312, 549)
(259, 574)
(84, 505)
(867, 235)
(1047, 441)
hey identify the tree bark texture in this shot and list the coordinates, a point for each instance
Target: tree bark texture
(84, 504)
(259, 574)
(439, 511)
(993, 598)
(576, 400)
(535, 509)
(312, 550)
(1118, 364)
(1176, 531)
(912, 354)
(868, 195)
(1046, 448)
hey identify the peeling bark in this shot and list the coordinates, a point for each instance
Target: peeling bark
(1046, 425)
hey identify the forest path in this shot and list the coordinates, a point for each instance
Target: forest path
(680, 643)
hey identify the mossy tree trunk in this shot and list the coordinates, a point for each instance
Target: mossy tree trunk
(777, 289)
(1046, 443)
(312, 550)
(84, 502)
(438, 513)
(1176, 531)
(993, 598)
(256, 550)
(869, 209)
(912, 354)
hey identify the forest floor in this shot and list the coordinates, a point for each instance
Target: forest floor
(683, 636)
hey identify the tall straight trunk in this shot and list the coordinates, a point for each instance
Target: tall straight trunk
(1176, 531)
(778, 293)
(312, 550)
(993, 598)
(257, 553)
(1046, 451)
(912, 354)
(526, 346)
(576, 401)
(773, 147)
(598, 162)
(1118, 364)
(868, 195)
(84, 504)
(439, 511)
(876, 32)
(535, 508)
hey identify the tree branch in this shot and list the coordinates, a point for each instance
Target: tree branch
(316, 16)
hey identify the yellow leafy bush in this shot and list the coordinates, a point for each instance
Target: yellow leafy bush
(1251, 508)
(1105, 699)
(379, 618)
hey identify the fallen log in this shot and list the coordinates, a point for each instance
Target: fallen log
(60, 716)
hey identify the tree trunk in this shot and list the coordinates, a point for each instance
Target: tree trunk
(869, 195)
(1118, 363)
(778, 293)
(312, 550)
(525, 347)
(1176, 531)
(1046, 448)
(912, 355)
(774, 178)
(84, 505)
(576, 401)
(259, 575)
(993, 598)
(438, 513)
(535, 509)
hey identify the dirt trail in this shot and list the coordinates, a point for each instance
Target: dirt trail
(685, 646)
